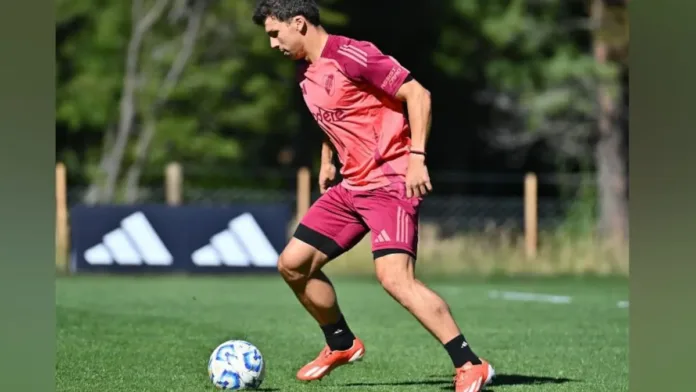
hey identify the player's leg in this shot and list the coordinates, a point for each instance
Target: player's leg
(328, 229)
(393, 221)
(300, 266)
(396, 271)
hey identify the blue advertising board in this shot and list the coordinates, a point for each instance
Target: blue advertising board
(150, 238)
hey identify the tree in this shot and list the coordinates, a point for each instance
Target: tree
(162, 80)
(544, 87)
(610, 36)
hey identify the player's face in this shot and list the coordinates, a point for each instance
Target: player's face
(286, 37)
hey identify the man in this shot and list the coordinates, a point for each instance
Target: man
(356, 95)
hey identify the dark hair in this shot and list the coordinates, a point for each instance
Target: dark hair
(284, 10)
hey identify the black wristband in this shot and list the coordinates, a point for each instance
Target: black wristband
(418, 152)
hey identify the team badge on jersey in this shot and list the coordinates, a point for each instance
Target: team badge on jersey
(329, 84)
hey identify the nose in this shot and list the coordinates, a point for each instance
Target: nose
(274, 43)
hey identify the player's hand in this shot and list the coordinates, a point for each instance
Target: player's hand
(417, 177)
(327, 176)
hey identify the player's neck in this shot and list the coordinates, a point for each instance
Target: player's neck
(315, 41)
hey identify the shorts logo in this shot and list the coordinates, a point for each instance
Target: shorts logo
(383, 236)
(329, 84)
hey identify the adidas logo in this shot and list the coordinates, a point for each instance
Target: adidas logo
(135, 243)
(242, 244)
(383, 237)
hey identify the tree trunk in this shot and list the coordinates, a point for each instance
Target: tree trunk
(113, 159)
(149, 129)
(609, 156)
(611, 180)
(132, 191)
(93, 194)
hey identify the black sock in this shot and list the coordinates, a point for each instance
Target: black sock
(338, 336)
(460, 352)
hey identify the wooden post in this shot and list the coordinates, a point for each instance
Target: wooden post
(530, 215)
(304, 191)
(62, 236)
(174, 180)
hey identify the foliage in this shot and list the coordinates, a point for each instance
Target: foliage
(232, 88)
(234, 105)
(550, 81)
(540, 79)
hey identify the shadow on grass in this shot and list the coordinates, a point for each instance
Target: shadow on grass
(521, 379)
(446, 382)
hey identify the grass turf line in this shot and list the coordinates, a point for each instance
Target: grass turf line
(155, 334)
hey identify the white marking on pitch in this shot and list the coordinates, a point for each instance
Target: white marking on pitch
(530, 297)
(622, 304)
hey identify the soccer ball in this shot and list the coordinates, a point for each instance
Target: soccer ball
(235, 365)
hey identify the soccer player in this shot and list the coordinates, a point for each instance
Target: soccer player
(356, 94)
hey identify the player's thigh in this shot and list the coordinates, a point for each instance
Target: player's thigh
(331, 226)
(392, 219)
(395, 271)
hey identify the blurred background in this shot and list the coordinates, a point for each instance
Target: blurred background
(183, 102)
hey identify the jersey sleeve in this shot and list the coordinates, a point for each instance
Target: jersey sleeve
(363, 61)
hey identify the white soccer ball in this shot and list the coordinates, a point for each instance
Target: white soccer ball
(235, 365)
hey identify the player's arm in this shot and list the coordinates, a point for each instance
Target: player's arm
(417, 100)
(419, 106)
(327, 152)
(364, 62)
(327, 172)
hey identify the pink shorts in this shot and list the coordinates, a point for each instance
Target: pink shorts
(341, 217)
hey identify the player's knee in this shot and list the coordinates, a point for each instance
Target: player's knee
(298, 262)
(290, 268)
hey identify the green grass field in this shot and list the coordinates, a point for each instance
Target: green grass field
(156, 333)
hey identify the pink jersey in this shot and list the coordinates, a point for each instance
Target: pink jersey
(351, 90)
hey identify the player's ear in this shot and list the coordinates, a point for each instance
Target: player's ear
(300, 24)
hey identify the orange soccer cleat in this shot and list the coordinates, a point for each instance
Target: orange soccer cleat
(329, 360)
(472, 378)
